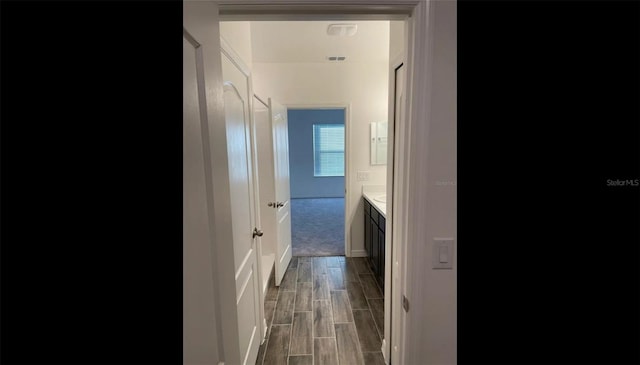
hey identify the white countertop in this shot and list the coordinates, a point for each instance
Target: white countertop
(381, 207)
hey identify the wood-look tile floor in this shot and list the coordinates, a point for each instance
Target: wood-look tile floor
(327, 310)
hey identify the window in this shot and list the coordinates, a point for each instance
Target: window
(328, 150)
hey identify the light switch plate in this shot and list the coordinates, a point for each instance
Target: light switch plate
(442, 257)
(363, 176)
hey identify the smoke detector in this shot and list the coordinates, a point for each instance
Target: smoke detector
(342, 29)
(336, 58)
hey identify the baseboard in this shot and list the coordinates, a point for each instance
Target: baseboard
(385, 352)
(264, 335)
(358, 253)
(265, 287)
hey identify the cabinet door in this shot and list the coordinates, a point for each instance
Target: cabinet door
(375, 249)
(380, 273)
(374, 215)
(381, 245)
(367, 234)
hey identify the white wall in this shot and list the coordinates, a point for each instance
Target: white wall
(362, 85)
(396, 38)
(431, 324)
(238, 35)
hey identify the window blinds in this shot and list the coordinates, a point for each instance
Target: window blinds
(328, 149)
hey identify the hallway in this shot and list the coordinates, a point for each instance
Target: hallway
(327, 310)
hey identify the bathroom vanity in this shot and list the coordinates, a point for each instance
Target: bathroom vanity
(374, 233)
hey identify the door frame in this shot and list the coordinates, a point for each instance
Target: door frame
(393, 253)
(419, 17)
(347, 156)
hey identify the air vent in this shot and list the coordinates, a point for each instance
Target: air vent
(336, 58)
(342, 29)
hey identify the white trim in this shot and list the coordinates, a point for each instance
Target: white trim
(358, 253)
(316, 10)
(393, 244)
(404, 198)
(234, 57)
(265, 326)
(261, 101)
(200, 19)
(347, 160)
(190, 38)
(385, 351)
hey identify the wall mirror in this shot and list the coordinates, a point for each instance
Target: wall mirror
(379, 143)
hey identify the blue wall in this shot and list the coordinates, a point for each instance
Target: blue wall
(303, 183)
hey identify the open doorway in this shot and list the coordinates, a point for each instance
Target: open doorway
(337, 126)
(317, 181)
(335, 87)
(296, 63)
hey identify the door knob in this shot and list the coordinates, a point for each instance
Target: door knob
(257, 232)
(279, 205)
(270, 204)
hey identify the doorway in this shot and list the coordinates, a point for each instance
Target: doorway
(317, 180)
(292, 62)
(334, 110)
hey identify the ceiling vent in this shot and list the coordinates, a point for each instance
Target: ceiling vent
(336, 58)
(342, 29)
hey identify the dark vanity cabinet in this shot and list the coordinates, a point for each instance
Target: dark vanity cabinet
(367, 227)
(374, 229)
(380, 274)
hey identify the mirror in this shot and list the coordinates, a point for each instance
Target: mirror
(379, 143)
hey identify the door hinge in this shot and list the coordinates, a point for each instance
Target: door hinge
(405, 303)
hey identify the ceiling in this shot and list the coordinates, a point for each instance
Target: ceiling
(307, 41)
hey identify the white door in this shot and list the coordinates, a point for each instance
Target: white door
(237, 96)
(283, 202)
(217, 122)
(200, 342)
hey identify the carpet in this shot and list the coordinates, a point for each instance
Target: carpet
(317, 226)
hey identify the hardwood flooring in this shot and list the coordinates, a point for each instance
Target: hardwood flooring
(327, 310)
